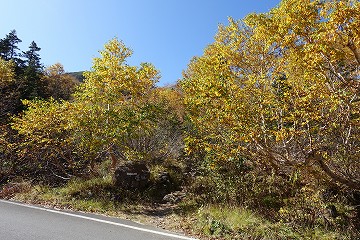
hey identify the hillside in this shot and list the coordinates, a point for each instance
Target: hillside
(78, 75)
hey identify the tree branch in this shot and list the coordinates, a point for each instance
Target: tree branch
(320, 161)
(353, 48)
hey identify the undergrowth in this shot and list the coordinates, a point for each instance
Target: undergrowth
(94, 195)
(215, 221)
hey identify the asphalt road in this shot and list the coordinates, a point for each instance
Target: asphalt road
(26, 222)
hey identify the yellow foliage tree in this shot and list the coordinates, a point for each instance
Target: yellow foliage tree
(116, 112)
(111, 105)
(47, 150)
(281, 88)
(108, 113)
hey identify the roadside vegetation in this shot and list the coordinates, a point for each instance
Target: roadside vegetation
(259, 140)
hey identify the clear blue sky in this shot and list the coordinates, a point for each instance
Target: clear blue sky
(167, 33)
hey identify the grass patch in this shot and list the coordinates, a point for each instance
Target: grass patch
(237, 223)
(94, 195)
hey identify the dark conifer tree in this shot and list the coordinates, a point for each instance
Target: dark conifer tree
(9, 50)
(32, 72)
(8, 46)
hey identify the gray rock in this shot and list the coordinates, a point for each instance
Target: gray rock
(132, 175)
(174, 197)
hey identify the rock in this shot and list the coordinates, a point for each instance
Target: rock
(174, 197)
(164, 178)
(132, 175)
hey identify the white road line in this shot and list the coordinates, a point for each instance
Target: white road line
(101, 221)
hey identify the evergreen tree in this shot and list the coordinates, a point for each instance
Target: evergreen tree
(9, 50)
(8, 46)
(32, 73)
(33, 57)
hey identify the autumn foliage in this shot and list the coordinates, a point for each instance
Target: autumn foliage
(117, 114)
(272, 111)
(267, 118)
(281, 89)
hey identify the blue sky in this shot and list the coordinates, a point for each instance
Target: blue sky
(167, 33)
